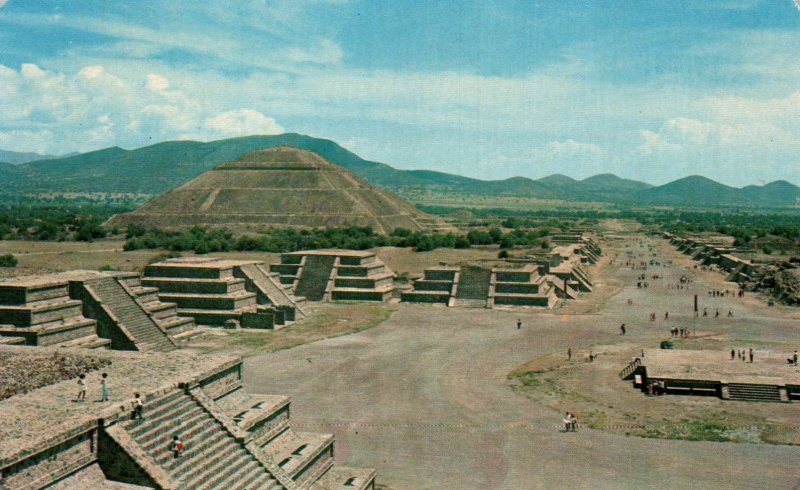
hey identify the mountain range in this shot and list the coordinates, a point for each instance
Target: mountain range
(157, 168)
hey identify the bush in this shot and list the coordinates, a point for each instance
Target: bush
(8, 260)
(767, 248)
(666, 344)
(503, 254)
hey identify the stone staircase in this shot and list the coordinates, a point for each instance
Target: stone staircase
(146, 334)
(269, 288)
(165, 314)
(314, 278)
(473, 287)
(754, 392)
(213, 457)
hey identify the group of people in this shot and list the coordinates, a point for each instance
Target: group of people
(743, 354)
(83, 388)
(570, 422)
(680, 332)
(656, 388)
(177, 446)
(716, 313)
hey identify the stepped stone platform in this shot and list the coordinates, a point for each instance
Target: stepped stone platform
(484, 288)
(335, 275)
(213, 291)
(280, 187)
(232, 439)
(110, 310)
(40, 311)
(713, 373)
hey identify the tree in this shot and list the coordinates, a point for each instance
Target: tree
(8, 260)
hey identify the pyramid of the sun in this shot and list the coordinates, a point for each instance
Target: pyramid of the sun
(279, 187)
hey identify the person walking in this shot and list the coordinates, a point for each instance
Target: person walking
(104, 387)
(751, 356)
(81, 388)
(622, 329)
(733, 354)
(138, 407)
(569, 354)
(519, 323)
(177, 447)
(573, 422)
(794, 358)
(730, 313)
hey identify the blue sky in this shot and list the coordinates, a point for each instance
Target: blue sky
(652, 90)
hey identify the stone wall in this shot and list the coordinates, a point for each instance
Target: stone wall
(223, 382)
(53, 463)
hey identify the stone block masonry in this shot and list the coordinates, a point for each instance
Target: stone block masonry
(232, 439)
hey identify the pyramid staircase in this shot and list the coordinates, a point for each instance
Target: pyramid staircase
(335, 275)
(305, 458)
(214, 458)
(313, 280)
(39, 310)
(269, 289)
(128, 314)
(473, 287)
(754, 392)
(165, 314)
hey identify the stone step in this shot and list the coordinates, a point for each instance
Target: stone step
(220, 471)
(155, 407)
(206, 453)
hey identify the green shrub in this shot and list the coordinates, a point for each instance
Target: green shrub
(8, 260)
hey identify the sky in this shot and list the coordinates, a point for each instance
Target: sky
(652, 91)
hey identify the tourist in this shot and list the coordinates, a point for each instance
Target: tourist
(733, 354)
(104, 387)
(573, 422)
(177, 447)
(705, 311)
(569, 354)
(751, 356)
(567, 421)
(681, 331)
(666, 316)
(716, 315)
(622, 329)
(794, 358)
(730, 313)
(138, 407)
(519, 323)
(81, 388)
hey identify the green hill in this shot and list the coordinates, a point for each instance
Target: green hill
(163, 166)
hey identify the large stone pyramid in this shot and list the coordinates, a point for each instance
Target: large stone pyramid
(279, 187)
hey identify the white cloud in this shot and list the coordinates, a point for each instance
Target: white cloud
(91, 72)
(325, 52)
(157, 83)
(241, 122)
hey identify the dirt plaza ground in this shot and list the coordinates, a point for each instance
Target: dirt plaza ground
(438, 397)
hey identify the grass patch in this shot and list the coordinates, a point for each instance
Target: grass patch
(325, 321)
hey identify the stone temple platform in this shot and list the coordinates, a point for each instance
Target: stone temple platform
(705, 372)
(233, 439)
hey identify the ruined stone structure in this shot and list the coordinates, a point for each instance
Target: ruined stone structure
(232, 439)
(38, 310)
(539, 281)
(90, 309)
(213, 291)
(279, 187)
(780, 278)
(331, 275)
(711, 373)
(483, 288)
